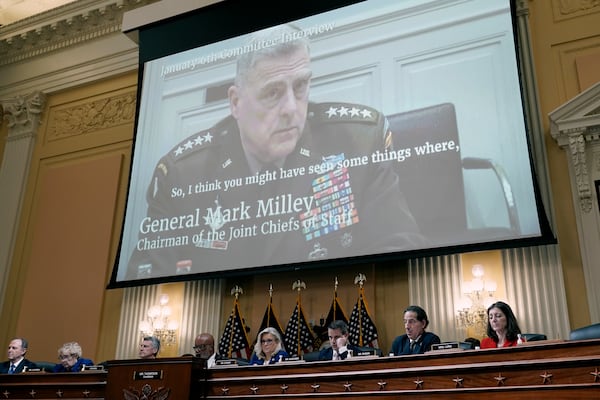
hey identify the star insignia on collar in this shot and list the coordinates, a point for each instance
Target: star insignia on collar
(332, 112)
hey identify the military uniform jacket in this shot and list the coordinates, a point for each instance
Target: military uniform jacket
(263, 223)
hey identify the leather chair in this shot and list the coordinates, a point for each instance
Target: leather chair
(438, 202)
(534, 337)
(586, 332)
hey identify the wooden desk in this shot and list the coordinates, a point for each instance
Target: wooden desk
(89, 385)
(163, 378)
(551, 370)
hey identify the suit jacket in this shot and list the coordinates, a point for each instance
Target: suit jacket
(76, 367)
(254, 360)
(4, 367)
(327, 354)
(401, 345)
(273, 222)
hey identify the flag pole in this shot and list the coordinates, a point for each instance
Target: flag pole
(235, 291)
(360, 280)
(299, 286)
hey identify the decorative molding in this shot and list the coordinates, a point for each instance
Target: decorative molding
(92, 116)
(578, 158)
(23, 114)
(75, 23)
(567, 7)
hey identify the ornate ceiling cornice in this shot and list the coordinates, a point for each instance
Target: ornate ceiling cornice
(65, 26)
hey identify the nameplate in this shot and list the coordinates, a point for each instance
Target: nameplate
(144, 375)
(92, 368)
(295, 358)
(451, 346)
(364, 353)
(226, 362)
(26, 369)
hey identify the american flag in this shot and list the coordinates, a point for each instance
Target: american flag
(234, 340)
(299, 337)
(335, 312)
(363, 331)
(270, 319)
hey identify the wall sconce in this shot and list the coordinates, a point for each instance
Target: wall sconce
(478, 295)
(158, 323)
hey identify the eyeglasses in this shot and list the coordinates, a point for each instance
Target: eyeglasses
(202, 346)
(65, 356)
(267, 341)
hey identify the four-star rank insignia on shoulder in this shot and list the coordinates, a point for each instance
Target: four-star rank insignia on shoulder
(343, 112)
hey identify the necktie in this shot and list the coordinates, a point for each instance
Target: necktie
(11, 370)
(413, 343)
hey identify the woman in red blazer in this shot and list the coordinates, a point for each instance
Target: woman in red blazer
(502, 327)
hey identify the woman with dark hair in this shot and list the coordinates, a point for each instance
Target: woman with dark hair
(502, 327)
(415, 340)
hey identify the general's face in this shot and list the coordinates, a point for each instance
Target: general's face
(270, 106)
(414, 327)
(146, 349)
(497, 319)
(15, 350)
(204, 347)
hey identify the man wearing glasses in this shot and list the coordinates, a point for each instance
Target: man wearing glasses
(204, 346)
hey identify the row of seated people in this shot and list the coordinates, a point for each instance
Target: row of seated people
(69, 356)
(502, 331)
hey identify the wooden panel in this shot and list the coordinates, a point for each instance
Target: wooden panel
(568, 369)
(164, 378)
(40, 385)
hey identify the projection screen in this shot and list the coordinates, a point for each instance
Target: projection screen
(387, 129)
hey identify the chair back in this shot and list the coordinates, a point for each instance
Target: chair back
(586, 332)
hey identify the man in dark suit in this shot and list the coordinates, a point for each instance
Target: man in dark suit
(204, 346)
(340, 348)
(280, 180)
(16, 358)
(416, 340)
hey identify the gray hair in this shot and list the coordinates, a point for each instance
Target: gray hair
(155, 342)
(272, 42)
(70, 348)
(258, 348)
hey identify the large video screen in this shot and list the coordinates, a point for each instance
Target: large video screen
(378, 129)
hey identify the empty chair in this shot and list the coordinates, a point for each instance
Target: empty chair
(586, 332)
(534, 337)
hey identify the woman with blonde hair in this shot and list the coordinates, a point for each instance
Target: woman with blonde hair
(269, 348)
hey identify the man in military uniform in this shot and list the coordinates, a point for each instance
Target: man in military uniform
(280, 180)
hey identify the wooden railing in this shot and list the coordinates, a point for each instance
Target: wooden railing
(538, 370)
(42, 385)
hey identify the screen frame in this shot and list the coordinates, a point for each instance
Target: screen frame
(170, 36)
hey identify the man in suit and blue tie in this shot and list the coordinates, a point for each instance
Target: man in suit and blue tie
(16, 357)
